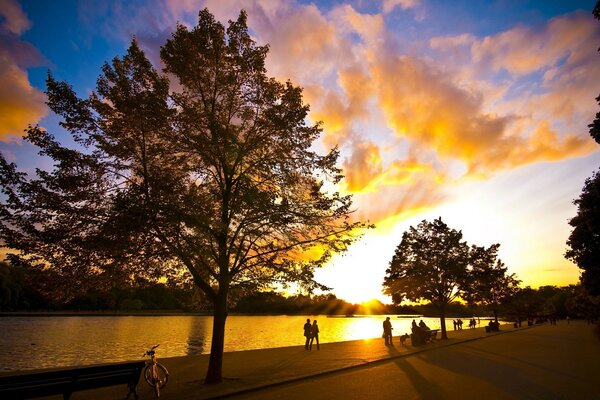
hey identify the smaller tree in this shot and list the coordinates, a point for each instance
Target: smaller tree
(584, 242)
(489, 283)
(525, 303)
(430, 263)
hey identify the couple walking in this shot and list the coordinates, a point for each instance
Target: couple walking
(387, 332)
(311, 332)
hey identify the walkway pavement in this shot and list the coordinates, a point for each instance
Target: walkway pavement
(470, 362)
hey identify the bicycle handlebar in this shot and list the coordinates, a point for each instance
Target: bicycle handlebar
(151, 351)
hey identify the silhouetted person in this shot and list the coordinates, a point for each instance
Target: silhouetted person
(307, 333)
(454, 324)
(417, 334)
(387, 331)
(423, 326)
(314, 334)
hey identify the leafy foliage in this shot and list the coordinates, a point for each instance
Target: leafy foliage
(489, 283)
(584, 242)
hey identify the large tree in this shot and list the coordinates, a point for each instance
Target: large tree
(205, 171)
(489, 283)
(583, 245)
(430, 263)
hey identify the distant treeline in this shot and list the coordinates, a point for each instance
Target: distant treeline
(24, 289)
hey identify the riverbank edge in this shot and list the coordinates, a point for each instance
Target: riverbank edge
(409, 351)
(265, 368)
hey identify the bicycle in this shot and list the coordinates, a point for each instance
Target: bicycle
(155, 374)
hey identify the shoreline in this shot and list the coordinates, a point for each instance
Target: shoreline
(253, 371)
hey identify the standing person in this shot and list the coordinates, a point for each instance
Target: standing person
(387, 331)
(314, 335)
(307, 333)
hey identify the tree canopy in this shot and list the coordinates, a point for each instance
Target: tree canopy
(433, 263)
(205, 171)
(489, 283)
(430, 263)
(583, 245)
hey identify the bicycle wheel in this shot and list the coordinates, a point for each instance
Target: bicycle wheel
(162, 376)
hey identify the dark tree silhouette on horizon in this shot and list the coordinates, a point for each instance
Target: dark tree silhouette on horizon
(489, 283)
(433, 263)
(430, 263)
(583, 244)
(204, 172)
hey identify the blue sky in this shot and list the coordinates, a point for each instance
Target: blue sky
(475, 111)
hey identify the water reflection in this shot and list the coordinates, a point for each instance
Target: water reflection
(43, 342)
(198, 336)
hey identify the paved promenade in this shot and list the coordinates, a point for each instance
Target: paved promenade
(542, 362)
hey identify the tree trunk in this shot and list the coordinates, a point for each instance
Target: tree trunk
(495, 314)
(443, 322)
(215, 362)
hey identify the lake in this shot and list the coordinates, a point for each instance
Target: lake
(58, 341)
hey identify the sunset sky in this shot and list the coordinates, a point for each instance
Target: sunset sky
(475, 111)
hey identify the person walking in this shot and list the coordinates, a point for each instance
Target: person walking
(307, 333)
(314, 335)
(387, 331)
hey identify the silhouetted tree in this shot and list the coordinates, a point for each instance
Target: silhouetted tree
(525, 304)
(489, 283)
(583, 245)
(430, 263)
(12, 287)
(211, 173)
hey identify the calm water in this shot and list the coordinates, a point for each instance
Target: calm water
(43, 342)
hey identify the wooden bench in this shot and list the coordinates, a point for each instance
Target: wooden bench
(69, 380)
(424, 337)
(432, 335)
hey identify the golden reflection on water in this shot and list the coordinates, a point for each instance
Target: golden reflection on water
(44, 342)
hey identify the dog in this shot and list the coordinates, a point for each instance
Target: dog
(403, 338)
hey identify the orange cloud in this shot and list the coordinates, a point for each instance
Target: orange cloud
(15, 20)
(424, 104)
(363, 166)
(523, 50)
(20, 103)
(404, 188)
